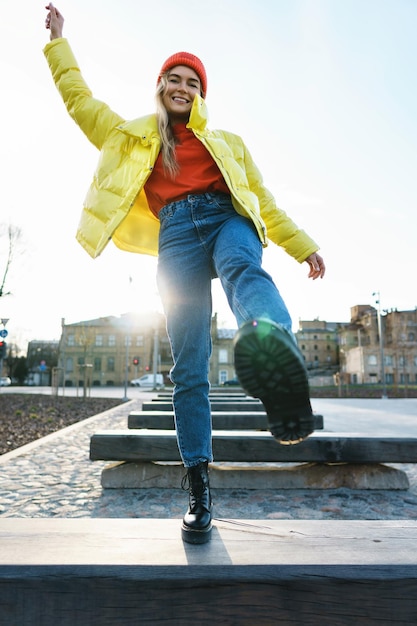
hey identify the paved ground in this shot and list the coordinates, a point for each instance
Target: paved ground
(55, 478)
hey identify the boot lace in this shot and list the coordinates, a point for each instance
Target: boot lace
(185, 482)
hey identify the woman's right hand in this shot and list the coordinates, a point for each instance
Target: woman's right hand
(54, 21)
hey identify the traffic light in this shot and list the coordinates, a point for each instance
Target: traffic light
(3, 349)
(136, 360)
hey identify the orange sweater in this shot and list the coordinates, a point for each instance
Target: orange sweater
(198, 173)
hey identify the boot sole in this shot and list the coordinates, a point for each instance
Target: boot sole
(190, 535)
(269, 367)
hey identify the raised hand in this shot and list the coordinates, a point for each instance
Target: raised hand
(54, 21)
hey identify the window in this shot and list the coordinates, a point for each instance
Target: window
(372, 360)
(223, 358)
(402, 361)
(71, 340)
(110, 364)
(112, 340)
(222, 376)
(97, 364)
(99, 340)
(389, 359)
(69, 364)
(139, 340)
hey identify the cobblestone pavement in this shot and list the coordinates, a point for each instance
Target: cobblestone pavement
(55, 478)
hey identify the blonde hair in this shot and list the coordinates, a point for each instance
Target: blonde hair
(169, 160)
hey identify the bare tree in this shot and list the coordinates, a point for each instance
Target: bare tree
(13, 236)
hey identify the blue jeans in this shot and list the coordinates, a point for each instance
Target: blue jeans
(202, 237)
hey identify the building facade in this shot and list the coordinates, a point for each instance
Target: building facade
(379, 348)
(222, 366)
(318, 342)
(111, 351)
(41, 361)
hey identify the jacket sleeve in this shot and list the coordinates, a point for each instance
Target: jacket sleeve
(280, 228)
(94, 117)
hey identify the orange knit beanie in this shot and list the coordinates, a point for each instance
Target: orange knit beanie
(190, 60)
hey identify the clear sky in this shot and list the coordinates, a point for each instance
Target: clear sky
(323, 92)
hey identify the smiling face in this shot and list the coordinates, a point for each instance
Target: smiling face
(183, 84)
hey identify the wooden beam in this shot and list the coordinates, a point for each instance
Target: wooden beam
(263, 572)
(245, 405)
(241, 397)
(222, 420)
(250, 446)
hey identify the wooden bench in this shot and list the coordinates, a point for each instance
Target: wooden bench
(98, 572)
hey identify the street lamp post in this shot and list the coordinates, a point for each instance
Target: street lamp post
(381, 344)
(126, 382)
(4, 321)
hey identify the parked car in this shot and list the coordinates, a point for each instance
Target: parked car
(148, 380)
(5, 381)
(233, 382)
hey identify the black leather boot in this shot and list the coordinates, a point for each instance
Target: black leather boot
(270, 366)
(196, 525)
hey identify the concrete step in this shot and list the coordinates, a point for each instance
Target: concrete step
(138, 571)
(256, 446)
(221, 420)
(264, 476)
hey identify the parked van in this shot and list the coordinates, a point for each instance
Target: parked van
(148, 380)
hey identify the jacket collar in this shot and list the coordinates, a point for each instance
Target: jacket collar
(143, 128)
(198, 115)
(146, 128)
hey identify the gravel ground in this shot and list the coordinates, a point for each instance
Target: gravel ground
(25, 418)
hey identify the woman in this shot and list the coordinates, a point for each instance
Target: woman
(167, 185)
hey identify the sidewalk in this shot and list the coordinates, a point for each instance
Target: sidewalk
(53, 477)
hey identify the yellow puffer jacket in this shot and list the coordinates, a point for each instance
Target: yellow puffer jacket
(116, 207)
